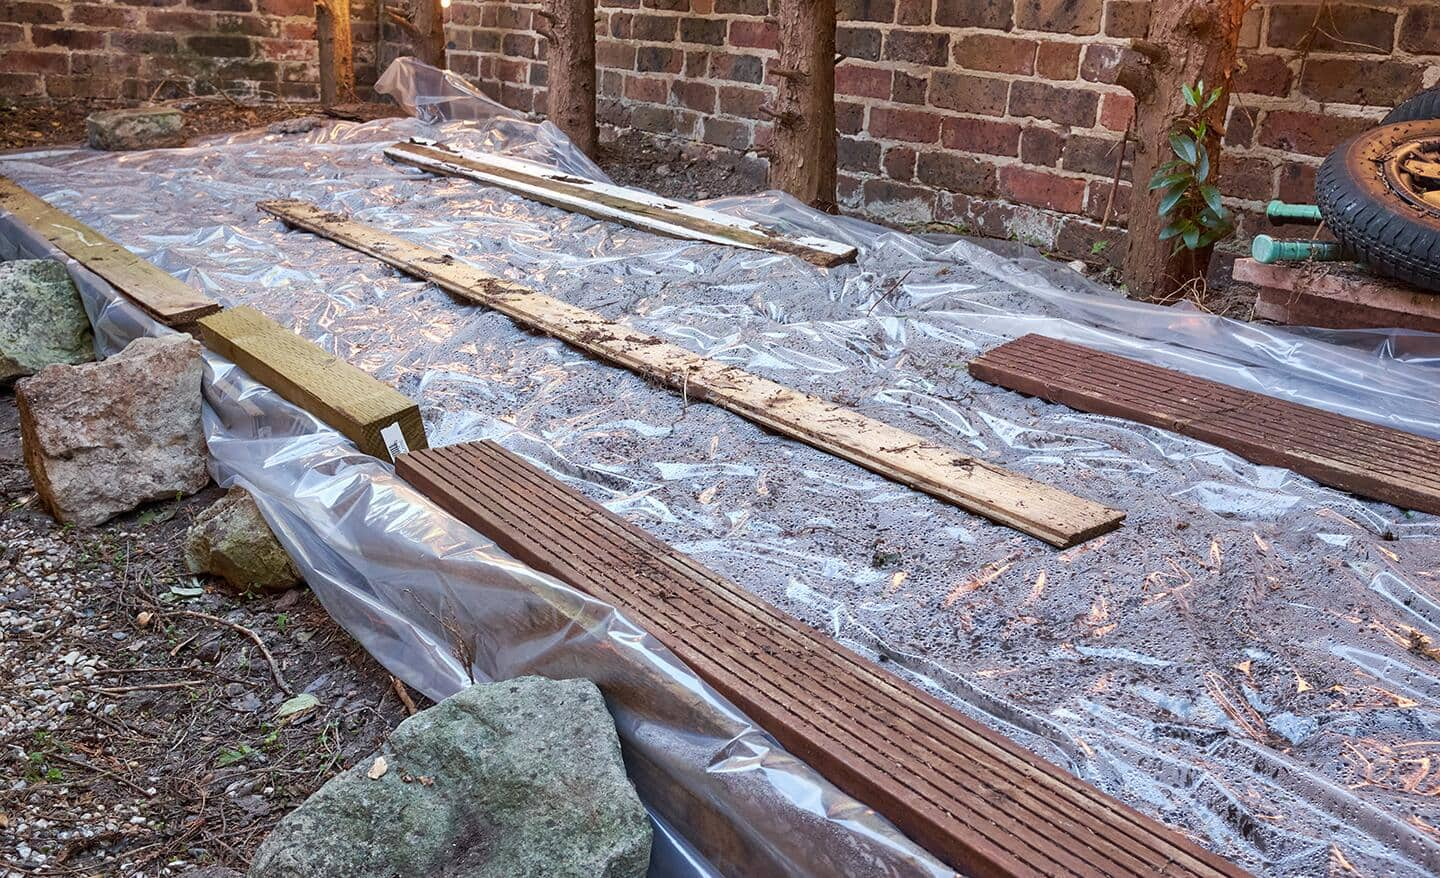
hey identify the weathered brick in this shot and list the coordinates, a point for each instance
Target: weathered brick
(913, 11)
(694, 95)
(858, 42)
(739, 101)
(1308, 133)
(23, 12)
(710, 31)
(1042, 189)
(1360, 81)
(869, 82)
(742, 7)
(658, 59)
(101, 16)
(995, 53)
(1101, 63)
(982, 95)
(1060, 16)
(518, 45)
(696, 63)
(1099, 205)
(1096, 155)
(1333, 27)
(956, 173)
(981, 135)
(10, 34)
(1263, 75)
(914, 126)
(853, 154)
(1296, 183)
(909, 89)
(898, 202)
(1058, 61)
(34, 62)
(1076, 239)
(899, 163)
(647, 89)
(1239, 126)
(612, 53)
(917, 47)
(849, 117)
(224, 5)
(218, 46)
(738, 68)
(1127, 18)
(727, 133)
(1068, 106)
(754, 34)
(668, 5)
(993, 14)
(285, 8)
(21, 84)
(1420, 30)
(66, 38)
(1116, 111)
(1245, 177)
(648, 117)
(865, 10)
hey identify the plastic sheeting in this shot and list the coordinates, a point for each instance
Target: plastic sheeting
(1246, 659)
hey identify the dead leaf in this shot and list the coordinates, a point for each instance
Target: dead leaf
(378, 768)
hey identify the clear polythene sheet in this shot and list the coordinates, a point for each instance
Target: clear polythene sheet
(1251, 658)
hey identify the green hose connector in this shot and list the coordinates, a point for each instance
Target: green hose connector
(1306, 214)
(1269, 250)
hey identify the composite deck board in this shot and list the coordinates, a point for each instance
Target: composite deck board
(972, 483)
(969, 795)
(160, 294)
(1366, 459)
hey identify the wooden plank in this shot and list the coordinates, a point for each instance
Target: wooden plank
(1337, 295)
(632, 207)
(973, 798)
(363, 409)
(160, 294)
(968, 482)
(1342, 452)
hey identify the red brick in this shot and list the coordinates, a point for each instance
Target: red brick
(1042, 189)
(1058, 61)
(865, 10)
(694, 95)
(658, 59)
(11, 34)
(982, 95)
(981, 135)
(858, 42)
(696, 63)
(1263, 75)
(1101, 63)
(1344, 27)
(66, 38)
(103, 16)
(1041, 146)
(645, 88)
(1245, 177)
(995, 54)
(853, 154)
(993, 14)
(35, 62)
(738, 68)
(913, 11)
(1360, 81)
(1068, 106)
(849, 118)
(1420, 30)
(287, 7)
(739, 101)
(899, 163)
(1076, 240)
(23, 12)
(754, 34)
(1127, 18)
(915, 126)
(1060, 16)
(709, 31)
(956, 173)
(727, 133)
(614, 54)
(1116, 111)
(20, 84)
(1239, 126)
(1097, 201)
(917, 47)
(1296, 183)
(870, 82)
(909, 89)
(1096, 155)
(1308, 133)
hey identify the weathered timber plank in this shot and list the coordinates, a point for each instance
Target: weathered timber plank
(973, 798)
(351, 401)
(1337, 295)
(968, 482)
(633, 207)
(1346, 453)
(160, 294)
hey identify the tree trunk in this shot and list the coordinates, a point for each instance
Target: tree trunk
(337, 53)
(430, 32)
(1188, 41)
(569, 27)
(802, 150)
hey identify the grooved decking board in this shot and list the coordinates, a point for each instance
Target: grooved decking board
(1345, 453)
(159, 293)
(976, 800)
(968, 482)
(319, 382)
(633, 207)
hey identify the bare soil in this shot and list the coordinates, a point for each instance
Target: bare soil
(141, 724)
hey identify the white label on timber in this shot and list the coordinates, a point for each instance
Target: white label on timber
(394, 440)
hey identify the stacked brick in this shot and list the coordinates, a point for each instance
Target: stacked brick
(997, 116)
(135, 50)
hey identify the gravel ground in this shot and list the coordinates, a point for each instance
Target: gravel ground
(140, 728)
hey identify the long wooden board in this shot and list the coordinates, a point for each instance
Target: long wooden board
(983, 804)
(632, 207)
(363, 409)
(1353, 455)
(968, 482)
(160, 294)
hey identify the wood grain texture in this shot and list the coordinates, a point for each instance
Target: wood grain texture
(317, 381)
(976, 800)
(160, 294)
(973, 484)
(632, 207)
(1345, 453)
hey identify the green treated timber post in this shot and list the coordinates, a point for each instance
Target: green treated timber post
(1306, 214)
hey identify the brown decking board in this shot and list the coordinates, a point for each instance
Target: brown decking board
(978, 801)
(1353, 455)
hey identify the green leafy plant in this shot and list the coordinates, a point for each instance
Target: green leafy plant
(1189, 199)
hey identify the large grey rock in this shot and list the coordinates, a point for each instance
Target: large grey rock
(231, 540)
(103, 438)
(502, 780)
(138, 128)
(42, 320)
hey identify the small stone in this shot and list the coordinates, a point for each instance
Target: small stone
(232, 540)
(298, 125)
(42, 319)
(377, 768)
(137, 128)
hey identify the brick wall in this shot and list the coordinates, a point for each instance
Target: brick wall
(131, 50)
(999, 116)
